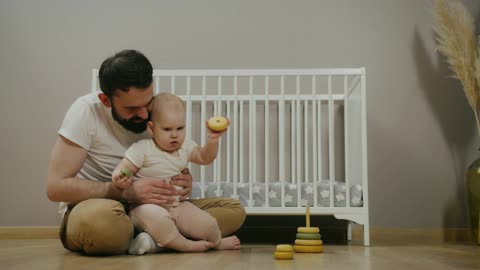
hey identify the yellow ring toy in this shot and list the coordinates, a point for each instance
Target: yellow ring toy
(308, 230)
(302, 242)
(308, 249)
(283, 255)
(284, 248)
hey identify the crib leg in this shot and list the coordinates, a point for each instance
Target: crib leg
(361, 219)
(366, 234)
(349, 231)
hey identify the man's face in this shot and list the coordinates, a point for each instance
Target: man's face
(132, 109)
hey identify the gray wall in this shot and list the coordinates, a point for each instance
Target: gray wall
(421, 130)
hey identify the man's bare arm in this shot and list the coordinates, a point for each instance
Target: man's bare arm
(66, 160)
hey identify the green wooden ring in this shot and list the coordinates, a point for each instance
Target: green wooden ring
(126, 172)
(308, 236)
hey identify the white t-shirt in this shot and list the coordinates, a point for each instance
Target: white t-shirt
(90, 124)
(155, 163)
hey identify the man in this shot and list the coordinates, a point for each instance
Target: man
(96, 131)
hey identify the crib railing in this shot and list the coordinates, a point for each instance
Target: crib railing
(292, 127)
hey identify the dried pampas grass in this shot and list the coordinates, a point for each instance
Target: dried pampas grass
(456, 39)
(477, 72)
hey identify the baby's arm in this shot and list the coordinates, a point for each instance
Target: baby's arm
(204, 155)
(207, 154)
(120, 177)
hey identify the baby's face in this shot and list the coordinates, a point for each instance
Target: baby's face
(169, 130)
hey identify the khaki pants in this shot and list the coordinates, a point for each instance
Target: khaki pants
(102, 226)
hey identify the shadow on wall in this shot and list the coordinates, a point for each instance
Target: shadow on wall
(454, 115)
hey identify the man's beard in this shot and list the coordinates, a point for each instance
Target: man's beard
(130, 124)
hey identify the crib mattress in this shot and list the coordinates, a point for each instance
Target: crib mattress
(291, 193)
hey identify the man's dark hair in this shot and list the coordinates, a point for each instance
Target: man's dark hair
(123, 70)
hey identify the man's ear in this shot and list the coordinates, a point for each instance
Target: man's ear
(105, 100)
(150, 128)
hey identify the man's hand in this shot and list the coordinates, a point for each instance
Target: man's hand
(150, 191)
(183, 180)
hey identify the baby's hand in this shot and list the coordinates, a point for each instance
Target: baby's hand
(217, 129)
(122, 179)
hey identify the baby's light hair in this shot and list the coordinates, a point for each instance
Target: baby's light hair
(165, 101)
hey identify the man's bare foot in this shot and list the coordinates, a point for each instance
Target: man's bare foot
(231, 242)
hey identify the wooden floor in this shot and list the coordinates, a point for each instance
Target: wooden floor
(403, 255)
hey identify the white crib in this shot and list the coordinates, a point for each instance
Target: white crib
(297, 137)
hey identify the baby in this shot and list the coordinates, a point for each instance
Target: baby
(166, 154)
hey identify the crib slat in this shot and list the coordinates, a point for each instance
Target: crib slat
(251, 143)
(227, 138)
(292, 141)
(314, 143)
(172, 84)
(216, 164)
(220, 142)
(189, 110)
(298, 144)
(254, 129)
(236, 129)
(281, 140)
(203, 133)
(242, 146)
(305, 142)
(157, 85)
(94, 80)
(331, 142)
(319, 140)
(346, 141)
(215, 113)
(267, 142)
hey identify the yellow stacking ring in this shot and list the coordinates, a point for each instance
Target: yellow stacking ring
(308, 236)
(302, 242)
(283, 255)
(308, 230)
(308, 249)
(284, 248)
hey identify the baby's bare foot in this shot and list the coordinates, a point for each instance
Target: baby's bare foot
(231, 242)
(199, 246)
